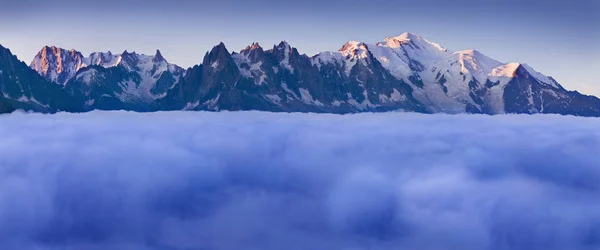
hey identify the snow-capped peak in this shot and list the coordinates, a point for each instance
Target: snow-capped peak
(396, 41)
(350, 45)
(104, 59)
(412, 51)
(408, 53)
(412, 40)
(506, 70)
(475, 63)
(355, 49)
(408, 36)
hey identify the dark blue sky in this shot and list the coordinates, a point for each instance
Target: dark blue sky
(557, 38)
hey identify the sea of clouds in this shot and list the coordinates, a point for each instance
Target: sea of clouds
(256, 180)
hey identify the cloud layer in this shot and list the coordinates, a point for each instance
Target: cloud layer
(253, 180)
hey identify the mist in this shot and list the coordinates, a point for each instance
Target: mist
(258, 180)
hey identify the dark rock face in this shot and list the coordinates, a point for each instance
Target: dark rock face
(477, 93)
(23, 88)
(158, 57)
(525, 94)
(280, 79)
(215, 85)
(5, 106)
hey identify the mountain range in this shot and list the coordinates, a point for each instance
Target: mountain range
(402, 73)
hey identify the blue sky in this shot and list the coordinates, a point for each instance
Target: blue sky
(561, 39)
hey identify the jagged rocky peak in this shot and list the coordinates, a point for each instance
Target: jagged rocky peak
(286, 55)
(282, 50)
(127, 54)
(283, 45)
(49, 50)
(57, 64)
(217, 57)
(248, 49)
(158, 57)
(358, 77)
(57, 54)
(254, 52)
(21, 87)
(219, 49)
(129, 59)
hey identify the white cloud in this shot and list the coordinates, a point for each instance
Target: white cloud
(255, 180)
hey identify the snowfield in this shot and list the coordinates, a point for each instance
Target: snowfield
(257, 180)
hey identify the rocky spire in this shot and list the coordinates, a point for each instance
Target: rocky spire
(158, 57)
